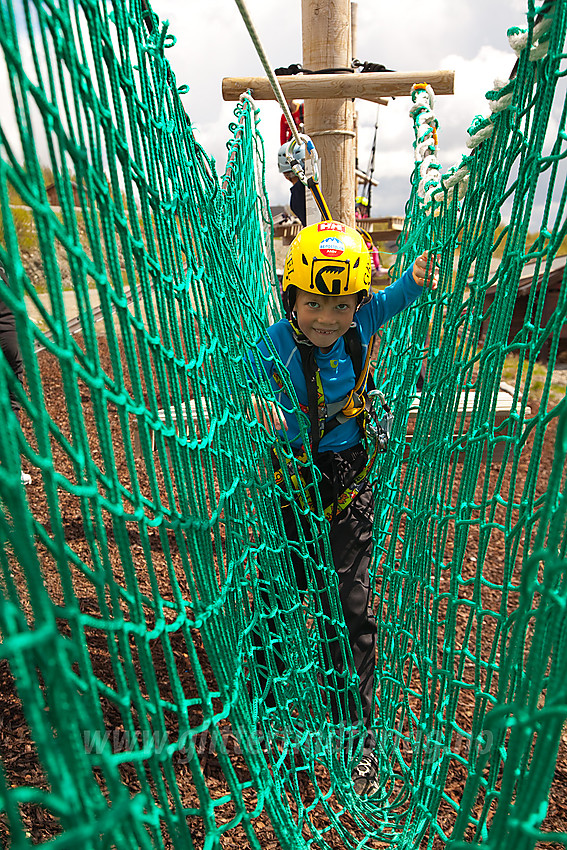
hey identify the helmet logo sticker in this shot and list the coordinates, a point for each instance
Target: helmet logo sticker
(330, 278)
(337, 226)
(331, 247)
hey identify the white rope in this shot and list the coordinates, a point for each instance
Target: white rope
(501, 95)
(273, 80)
(499, 99)
(298, 139)
(425, 125)
(244, 98)
(333, 133)
(518, 37)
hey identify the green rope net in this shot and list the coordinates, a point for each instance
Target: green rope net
(168, 684)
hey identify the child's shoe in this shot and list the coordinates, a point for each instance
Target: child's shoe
(365, 779)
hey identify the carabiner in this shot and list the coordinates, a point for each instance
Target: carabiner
(310, 149)
(377, 430)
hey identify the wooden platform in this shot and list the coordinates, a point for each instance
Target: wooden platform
(287, 231)
(380, 229)
(383, 229)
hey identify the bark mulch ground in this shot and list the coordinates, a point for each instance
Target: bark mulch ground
(17, 750)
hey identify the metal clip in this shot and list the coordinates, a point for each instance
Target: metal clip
(309, 150)
(378, 430)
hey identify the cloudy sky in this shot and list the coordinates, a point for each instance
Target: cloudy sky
(468, 37)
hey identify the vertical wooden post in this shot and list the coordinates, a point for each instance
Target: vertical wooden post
(353, 27)
(330, 123)
(354, 54)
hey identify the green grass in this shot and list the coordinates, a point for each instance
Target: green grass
(538, 380)
(25, 230)
(531, 240)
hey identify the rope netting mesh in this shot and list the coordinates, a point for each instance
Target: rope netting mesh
(174, 684)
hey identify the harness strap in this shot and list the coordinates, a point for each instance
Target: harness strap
(355, 402)
(301, 487)
(324, 418)
(315, 397)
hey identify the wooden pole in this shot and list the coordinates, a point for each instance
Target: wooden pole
(353, 28)
(330, 122)
(354, 54)
(366, 86)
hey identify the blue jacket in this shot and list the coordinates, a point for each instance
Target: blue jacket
(335, 366)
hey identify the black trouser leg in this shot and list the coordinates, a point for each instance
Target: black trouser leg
(351, 544)
(350, 536)
(11, 351)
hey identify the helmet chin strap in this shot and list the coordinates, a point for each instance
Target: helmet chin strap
(298, 334)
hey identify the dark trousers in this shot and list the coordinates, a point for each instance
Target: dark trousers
(350, 535)
(11, 351)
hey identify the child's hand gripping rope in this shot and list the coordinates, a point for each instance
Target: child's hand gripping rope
(425, 270)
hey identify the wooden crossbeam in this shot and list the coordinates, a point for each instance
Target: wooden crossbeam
(320, 86)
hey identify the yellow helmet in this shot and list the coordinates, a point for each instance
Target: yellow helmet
(329, 258)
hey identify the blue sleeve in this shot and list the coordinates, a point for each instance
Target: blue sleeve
(393, 299)
(260, 359)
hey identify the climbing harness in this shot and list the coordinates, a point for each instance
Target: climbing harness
(359, 404)
(324, 418)
(301, 485)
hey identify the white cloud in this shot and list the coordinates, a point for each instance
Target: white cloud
(212, 43)
(473, 79)
(395, 154)
(403, 36)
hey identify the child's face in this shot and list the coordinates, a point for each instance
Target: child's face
(324, 318)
